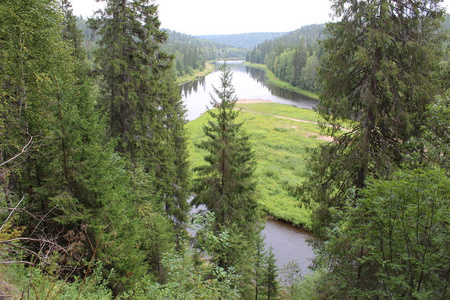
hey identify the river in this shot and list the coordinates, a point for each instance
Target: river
(289, 244)
(248, 82)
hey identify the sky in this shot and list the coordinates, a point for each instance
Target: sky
(203, 17)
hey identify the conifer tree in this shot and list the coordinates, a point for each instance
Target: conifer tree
(141, 99)
(377, 78)
(73, 184)
(226, 184)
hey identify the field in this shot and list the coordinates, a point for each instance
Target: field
(280, 135)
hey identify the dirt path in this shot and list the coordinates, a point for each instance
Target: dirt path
(319, 137)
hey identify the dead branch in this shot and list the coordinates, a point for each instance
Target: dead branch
(8, 242)
(10, 214)
(18, 154)
(16, 262)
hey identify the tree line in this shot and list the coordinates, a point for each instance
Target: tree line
(191, 53)
(293, 57)
(243, 40)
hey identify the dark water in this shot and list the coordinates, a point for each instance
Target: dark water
(249, 83)
(289, 243)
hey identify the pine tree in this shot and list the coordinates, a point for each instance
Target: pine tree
(270, 276)
(377, 78)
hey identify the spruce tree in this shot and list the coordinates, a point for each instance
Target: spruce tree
(377, 78)
(141, 99)
(226, 184)
(73, 184)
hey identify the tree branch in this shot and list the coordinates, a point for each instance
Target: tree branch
(10, 214)
(18, 154)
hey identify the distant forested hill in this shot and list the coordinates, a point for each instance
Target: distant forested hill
(243, 40)
(293, 57)
(192, 52)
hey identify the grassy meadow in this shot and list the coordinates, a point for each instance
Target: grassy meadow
(280, 135)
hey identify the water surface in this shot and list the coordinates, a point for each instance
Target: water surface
(248, 82)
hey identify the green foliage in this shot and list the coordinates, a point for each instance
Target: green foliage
(293, 57)
(292, 281)
(280, 155)
(33, 283)
(374, 55)
(432, 147)
(395, 242)
(190, 272)
(186, 280)
(226, 184)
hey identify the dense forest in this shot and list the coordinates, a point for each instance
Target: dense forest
(96, 190)
(191, 52)
(243, 40)
(293, 57)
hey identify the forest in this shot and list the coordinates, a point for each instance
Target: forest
(96, 186)
(243, 40)
(293, 57)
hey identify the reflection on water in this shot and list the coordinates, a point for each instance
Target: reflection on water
(249, 83)
(289, 244)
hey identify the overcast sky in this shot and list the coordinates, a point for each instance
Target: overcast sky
(197, 17)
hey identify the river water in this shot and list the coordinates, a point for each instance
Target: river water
(249, 83)
(289, 244)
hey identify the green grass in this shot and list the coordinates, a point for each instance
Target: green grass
(280, 150)
(283, 84)
(209, 68)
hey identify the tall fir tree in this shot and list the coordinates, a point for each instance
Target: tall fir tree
(73, 184)
(141, 99)
(377, 78)
(226, 185)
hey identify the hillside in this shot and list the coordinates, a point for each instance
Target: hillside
(191, 52)
(243, 40)
(210, 49)
(293, 57)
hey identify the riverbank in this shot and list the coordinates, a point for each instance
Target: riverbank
(282, 84)
(209, 68)
(280, 135)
